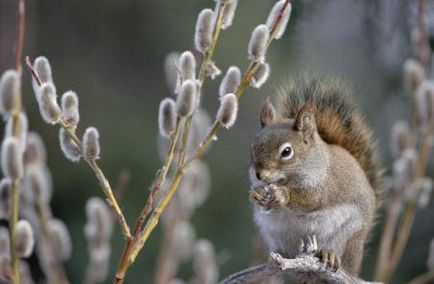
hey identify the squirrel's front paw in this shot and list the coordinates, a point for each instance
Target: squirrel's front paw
(330, 259)
(269, 197)
(260, 195)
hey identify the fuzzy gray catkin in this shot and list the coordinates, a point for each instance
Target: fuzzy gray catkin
(184, 236)
(91, 147)
(260, 76)
(412, 159)
(43, 68)
(205, 262)
(227, 113)
(99, 264)
(187, 66)
(25, 240)
(230, 81)
(424, 102)
(37, 183)
(186, 101)
(228, 13)
(195, 186)
(48, 106)
(400, 138)
(99, 225)
(35, 149)
(10, 95)
(424, 188)
(204, 30)
(69, 148)
(21, 125)
(405, 169)
(60, 239)
(414, 74)
(12, 158)
(167, 117)
(274, 16)
(258, 43)
(70, 111)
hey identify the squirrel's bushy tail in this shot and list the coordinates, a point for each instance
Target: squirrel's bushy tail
(338, 120)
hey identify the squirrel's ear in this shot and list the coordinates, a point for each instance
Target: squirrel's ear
(267, 114)
(305, 121)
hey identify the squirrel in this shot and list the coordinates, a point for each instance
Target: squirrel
(315, 171)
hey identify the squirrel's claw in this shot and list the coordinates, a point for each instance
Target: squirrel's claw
(330, 259)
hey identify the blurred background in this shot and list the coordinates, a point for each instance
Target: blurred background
(112, 54)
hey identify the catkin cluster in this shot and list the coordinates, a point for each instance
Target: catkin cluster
(17, 240)
(54, 242)
(408, 181)
(186, 132)
(23, 161)
(66, 114)
(408, 188)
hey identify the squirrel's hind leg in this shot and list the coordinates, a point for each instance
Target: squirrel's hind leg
(353, 255)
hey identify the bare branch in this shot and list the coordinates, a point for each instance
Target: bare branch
(306, 267)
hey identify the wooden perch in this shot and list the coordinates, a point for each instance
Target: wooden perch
(306, 267)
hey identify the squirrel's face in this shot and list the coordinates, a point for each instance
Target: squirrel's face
(279, 152)
(283, 148)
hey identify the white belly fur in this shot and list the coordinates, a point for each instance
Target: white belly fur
(283, 230)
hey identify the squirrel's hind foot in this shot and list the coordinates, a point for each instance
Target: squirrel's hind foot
(330, 259)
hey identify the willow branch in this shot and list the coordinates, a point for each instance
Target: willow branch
(308, 268)
(406, 224)
(202, 76)
(153, 220)
(13, 227)
(103, 181)
(385, 248)
(160, 179)
(19, 45)
(15, 132)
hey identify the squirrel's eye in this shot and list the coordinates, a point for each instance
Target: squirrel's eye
(286, 151)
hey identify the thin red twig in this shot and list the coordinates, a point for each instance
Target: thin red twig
(33, 71)
(19, 44)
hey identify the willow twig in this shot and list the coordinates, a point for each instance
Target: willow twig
(15, 132)
(153, 219)
(160, 179)
(406, 224)
(202, 76)
(103, 181)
